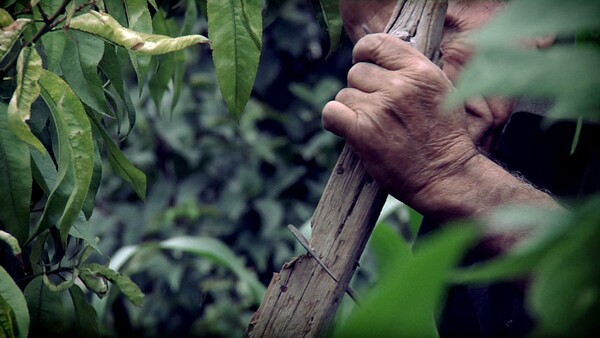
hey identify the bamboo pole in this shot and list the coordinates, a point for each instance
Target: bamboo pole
(302, 298)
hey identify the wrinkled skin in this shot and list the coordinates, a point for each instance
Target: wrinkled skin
(485, 117)
(391, 114)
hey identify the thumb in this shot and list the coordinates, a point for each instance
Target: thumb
(339, 119)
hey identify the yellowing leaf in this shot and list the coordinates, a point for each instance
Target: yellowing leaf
(106, 27)
(29, 69)
(75, 155)
(10, 34)
(124, 283)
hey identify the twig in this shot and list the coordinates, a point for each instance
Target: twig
(48, 25)
(304, 242)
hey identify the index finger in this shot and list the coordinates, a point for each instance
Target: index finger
(386, 51)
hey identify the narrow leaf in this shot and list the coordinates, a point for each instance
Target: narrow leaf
(10, 34)
(121, 164)
(333, 21)
(29, 69)
(219, 253)
(124, 283)
(111, 66)
(106, 27)
(153, 3)
(235, 29)
(139, 21)
(86, 319)
(90, 199)
(45, 309)
(15, 181)
(159, 82)
(13, 296)
(81, 58)
(76, 149)
(63, 285)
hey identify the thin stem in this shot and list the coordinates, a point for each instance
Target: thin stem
(48, 25)
(43, 13)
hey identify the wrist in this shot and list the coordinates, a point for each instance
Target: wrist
(476, 189)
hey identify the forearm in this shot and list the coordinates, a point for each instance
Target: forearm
(477, 189)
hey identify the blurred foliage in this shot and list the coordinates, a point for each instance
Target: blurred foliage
(212, 178)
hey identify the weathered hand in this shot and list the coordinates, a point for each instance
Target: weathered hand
(391, 115)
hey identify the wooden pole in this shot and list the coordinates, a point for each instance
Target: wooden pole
(302, 298)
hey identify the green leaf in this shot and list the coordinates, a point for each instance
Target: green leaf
(527, 19)
(53, 41)
(81, 58)
(45, 309)
(139, 21)
(235, 29)
(111, 66)
(8, 321)
(116, 9)
(546, 228)
(15, 299)
(405, 301)
(86, 319)
(106, 27)
(63, 285)
(44, 171)
(15, 181)
(566, 284)
(333, 21)
(11, 241)
(81, 229)
(121, 164)
(10, 34)
(547, 73)
(76, 154)
(153, 3)
(54, 46)
(36, 257)
(29, 69)
(159, 83)
(124, 283)
(389, 248)
(90, 199)
(5, 18)
(218, 252)
(502, 66)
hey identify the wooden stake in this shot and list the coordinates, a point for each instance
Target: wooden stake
(302, 298)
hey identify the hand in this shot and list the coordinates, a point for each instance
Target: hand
(391, 115)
